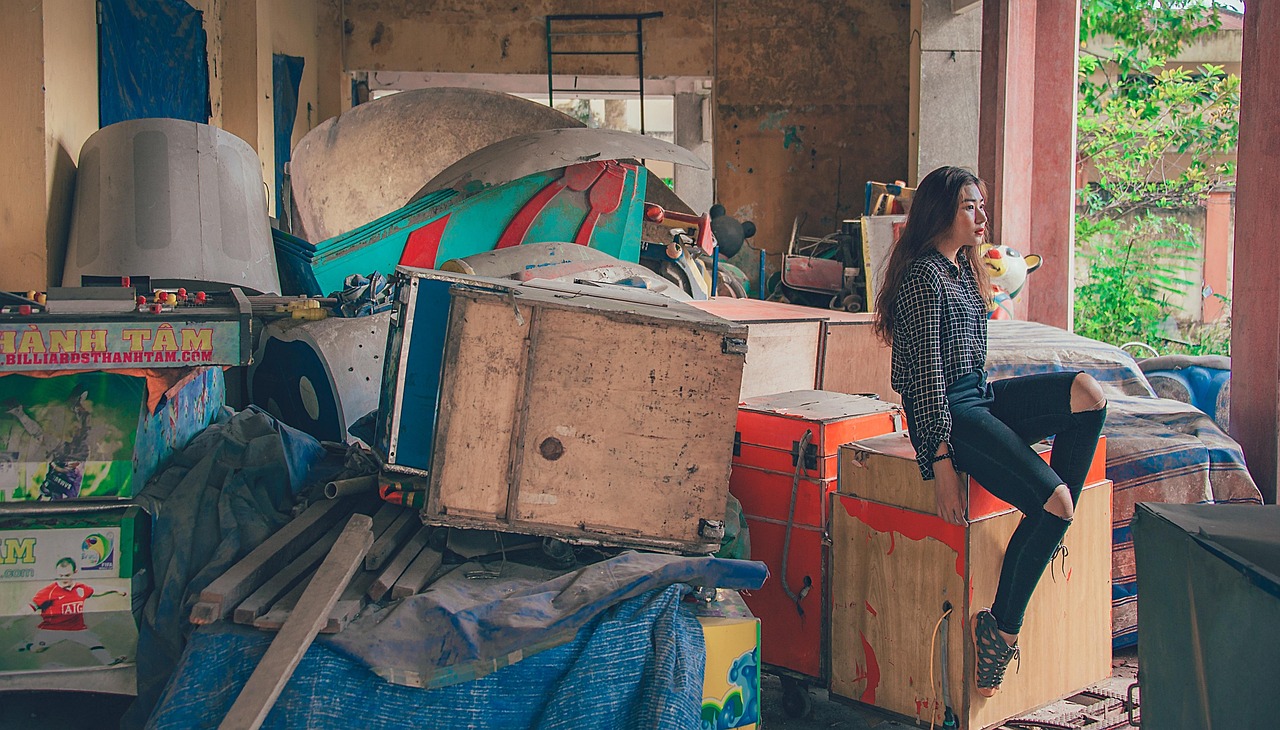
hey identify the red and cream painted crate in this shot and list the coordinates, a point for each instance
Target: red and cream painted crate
(783, 341)
(771, 427)
(766, 451)
(896, 566)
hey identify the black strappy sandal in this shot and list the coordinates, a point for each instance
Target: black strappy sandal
(992, 652)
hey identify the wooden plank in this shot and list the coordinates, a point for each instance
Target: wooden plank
(229, 589)
(391, 538)
(889, 580)
(311, 613)
(781, 356)
(396, 566)
(855, 361)
(415, 577)
(483, 378)
(350, 603)
(384, 517)
(261, 600)
(275, 617)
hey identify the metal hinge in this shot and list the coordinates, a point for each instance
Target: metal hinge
(711, 529)
(733, 345)
(810, 455)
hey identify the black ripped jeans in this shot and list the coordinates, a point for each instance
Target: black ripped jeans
(992, 428)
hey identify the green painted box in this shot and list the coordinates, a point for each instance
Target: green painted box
(69, 583)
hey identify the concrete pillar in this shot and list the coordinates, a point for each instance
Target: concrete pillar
(246, 79)
(1051, 186)
(1026, 149)
(693, 132)
(1217, 252)
(1255, 323)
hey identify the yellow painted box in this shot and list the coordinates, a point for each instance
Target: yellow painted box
(731, 680)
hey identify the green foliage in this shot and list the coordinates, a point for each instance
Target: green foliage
(1159, 137)
(1136, 271)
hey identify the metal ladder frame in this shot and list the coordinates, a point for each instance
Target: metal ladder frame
(637, 18)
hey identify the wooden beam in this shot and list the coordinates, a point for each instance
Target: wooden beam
(393, 570)
(228, 590)
(311, 613)
(262, 599)
(418, 573)
(401, 528)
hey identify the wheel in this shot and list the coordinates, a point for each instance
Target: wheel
(796, 701)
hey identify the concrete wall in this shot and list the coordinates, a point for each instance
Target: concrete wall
(243, 36)
(810, 98)
(50, 87)
(496, 36)
(811, 102)
(950, 69)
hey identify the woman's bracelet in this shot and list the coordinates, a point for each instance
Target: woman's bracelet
(941, 457)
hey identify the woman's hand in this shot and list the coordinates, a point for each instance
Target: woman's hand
(950, 493)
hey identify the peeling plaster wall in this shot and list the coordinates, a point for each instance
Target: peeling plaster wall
(493, 36)
(812, 102)
(51, 90)
(811, 98)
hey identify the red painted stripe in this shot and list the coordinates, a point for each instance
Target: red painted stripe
(911, 525)
(424, 244)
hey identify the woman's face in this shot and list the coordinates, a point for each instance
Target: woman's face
(970, 225)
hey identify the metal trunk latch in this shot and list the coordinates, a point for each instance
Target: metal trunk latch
(711, 529)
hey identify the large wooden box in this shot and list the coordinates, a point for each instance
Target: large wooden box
(586, 413)
(852, 358)
(783, 343)
(896, 568)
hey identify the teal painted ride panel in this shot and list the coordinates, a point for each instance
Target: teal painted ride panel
(446, 225)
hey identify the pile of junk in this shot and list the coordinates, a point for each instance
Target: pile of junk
(450, 272)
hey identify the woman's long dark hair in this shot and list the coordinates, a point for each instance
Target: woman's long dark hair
(933, 210)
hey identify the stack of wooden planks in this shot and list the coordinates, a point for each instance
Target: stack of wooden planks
(264, 588)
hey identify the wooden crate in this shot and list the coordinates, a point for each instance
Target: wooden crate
(853, 359)
(782, 343)
(893, 568)
(872, 469)
(563, 410)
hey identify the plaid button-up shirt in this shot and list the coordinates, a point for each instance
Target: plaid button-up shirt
(939, 334)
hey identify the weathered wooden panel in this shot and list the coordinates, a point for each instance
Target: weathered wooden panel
(854, 360)
(483, 379)
(632, 436)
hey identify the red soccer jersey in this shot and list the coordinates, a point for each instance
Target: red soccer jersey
(61, 609)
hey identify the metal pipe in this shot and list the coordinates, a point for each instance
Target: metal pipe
(760, 294)
(355, 485)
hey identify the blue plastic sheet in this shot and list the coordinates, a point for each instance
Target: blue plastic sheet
(637, 665)
(226, 492)
(151, 61)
